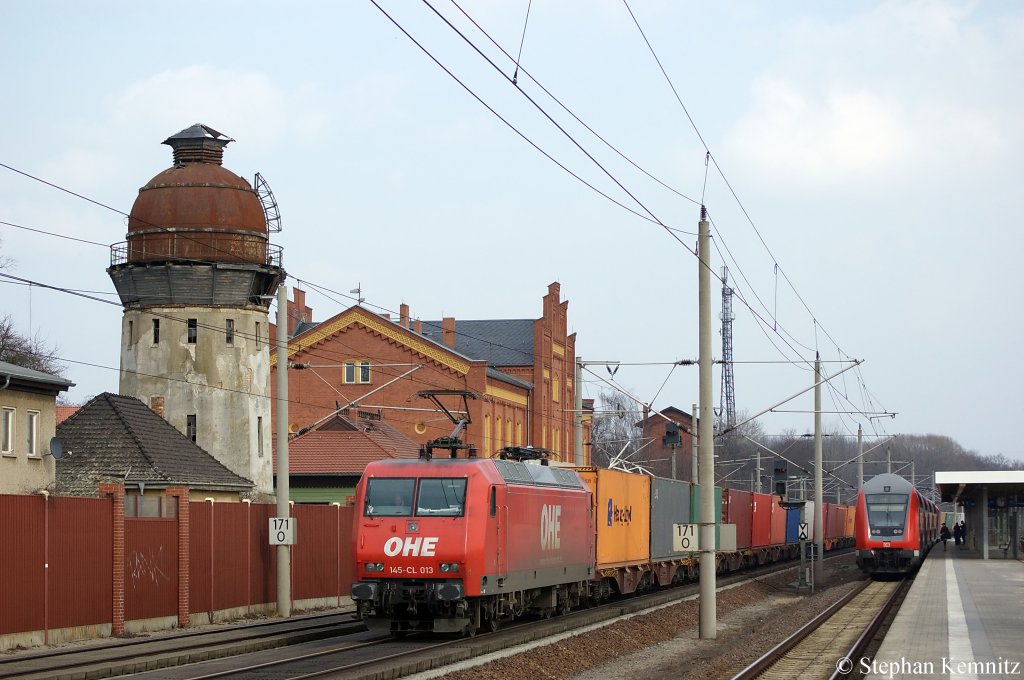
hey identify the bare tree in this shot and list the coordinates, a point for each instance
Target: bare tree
(614, 435)
(29, 352)
(6, 262)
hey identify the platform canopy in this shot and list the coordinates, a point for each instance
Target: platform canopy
(967, 485)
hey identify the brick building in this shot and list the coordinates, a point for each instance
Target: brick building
(521, 372)
(657, 455)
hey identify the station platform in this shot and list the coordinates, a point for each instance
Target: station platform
(963, 618)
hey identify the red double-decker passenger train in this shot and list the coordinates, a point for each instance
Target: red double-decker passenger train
(895, 526)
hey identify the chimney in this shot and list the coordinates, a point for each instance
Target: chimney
(298, 312)
(403, 315)
(448, 331)
(417, 326)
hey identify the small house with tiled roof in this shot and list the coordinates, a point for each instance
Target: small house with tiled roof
(326, 461)
(27, 421)
(114, 438)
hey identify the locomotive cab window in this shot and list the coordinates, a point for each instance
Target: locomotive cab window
(886, 509)
(389, 497)
(446, 497)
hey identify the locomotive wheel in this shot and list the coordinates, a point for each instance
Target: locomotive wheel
(493, 623)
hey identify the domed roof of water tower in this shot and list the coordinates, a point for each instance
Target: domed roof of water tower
(197, 208)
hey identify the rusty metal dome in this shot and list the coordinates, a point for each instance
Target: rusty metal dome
(197, 209)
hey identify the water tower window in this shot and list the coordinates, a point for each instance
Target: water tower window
(259, 436)
(156, 331)
(257, 335)
(229, 331)
(193, 331)
(131, 333)
(190, 427)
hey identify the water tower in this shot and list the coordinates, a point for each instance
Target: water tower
(195, 278)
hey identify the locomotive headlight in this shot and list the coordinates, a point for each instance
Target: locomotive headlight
(374, 566)
(448, 567)
(897, 532)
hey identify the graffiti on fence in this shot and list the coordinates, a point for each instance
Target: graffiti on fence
(142, 566)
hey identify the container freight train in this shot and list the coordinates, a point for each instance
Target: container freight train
(455, 545)
(896, 526)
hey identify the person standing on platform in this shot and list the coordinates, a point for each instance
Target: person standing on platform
(963, 534)
(944, 535)
(957, 535)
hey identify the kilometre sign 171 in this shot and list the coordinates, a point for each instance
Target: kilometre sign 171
(684, 538)
(282, 530)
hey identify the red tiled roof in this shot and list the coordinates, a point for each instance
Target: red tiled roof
(328, 450)
(65, 412)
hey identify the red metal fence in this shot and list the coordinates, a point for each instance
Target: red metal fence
(58, 567)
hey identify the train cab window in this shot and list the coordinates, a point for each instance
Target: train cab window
(445, 497)
(494, 502)
(886, 510)
(389, 497)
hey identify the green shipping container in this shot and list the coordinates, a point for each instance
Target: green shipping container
(695, 510)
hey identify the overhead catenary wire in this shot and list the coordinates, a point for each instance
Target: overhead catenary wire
(538, 107)
(520, 50)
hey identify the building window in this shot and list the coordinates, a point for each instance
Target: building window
(7, 431)
(193, 331)
(151, 507)
(257, 335)
(259, 436)
(229, 332)
(32, 433)
(554, 389)
(156, 331)
(190, 426)
(487, 437)
(131, 334)
(357, 372)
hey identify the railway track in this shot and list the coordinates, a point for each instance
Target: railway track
(829, 646)
(315, 646)
(120, 657)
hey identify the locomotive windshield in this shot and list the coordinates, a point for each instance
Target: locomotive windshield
(441, 497)
(393, 497)
(389, 497)
(886, 509)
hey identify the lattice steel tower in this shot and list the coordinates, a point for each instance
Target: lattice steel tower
(728, 410)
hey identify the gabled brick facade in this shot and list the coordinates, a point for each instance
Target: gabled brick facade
(520, 369)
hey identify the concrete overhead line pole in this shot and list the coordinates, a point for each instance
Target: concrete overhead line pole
(819, 495)
(860, 458)
(694, 440)
(706, 470)
(284, 555)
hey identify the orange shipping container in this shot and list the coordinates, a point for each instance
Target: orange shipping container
(851, 515)
(778, 522)
(623, 513)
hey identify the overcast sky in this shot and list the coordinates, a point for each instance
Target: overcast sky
(864, 183)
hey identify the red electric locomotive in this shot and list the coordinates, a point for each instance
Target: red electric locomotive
(452, 545)
(895, 526)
